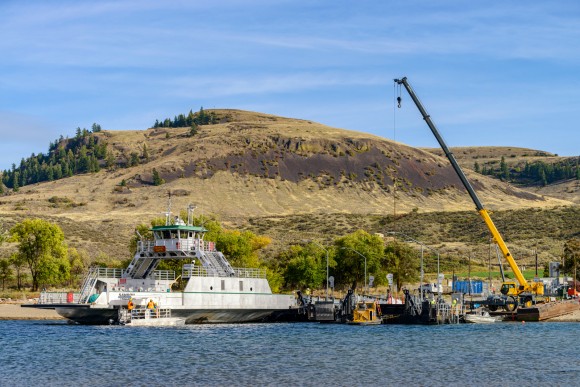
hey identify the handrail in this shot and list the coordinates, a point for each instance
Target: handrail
(175, 244)
(240, 272)
(59, 298)
(141, 313)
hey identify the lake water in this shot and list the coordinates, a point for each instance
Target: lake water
(41, 353)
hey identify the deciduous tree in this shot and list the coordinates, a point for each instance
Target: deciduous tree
(351, 252)
(402, 261)
(572, 257)
(42, 248)
(5, 271)
(305, 266)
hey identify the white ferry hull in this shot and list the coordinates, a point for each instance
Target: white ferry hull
(85, 314)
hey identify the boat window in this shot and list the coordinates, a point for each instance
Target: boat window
(166, 235)
(223, 284)
(157, 235)
(241, 286)
(183, 234)
(191, 234)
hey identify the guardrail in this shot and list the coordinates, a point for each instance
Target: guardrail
(143, 313)
(164, 275)
(175, 244)
(107, 272)
(240, 272)
(59, 298)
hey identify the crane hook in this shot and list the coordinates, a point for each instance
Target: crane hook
(399, 102)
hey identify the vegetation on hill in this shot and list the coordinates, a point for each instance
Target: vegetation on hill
(190, 120)
(532, 173)
(293, 179)
(352, 256)
(84, 153)
(88, 153)
(460, 237)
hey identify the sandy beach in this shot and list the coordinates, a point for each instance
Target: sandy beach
(15, 312)
(570, 317)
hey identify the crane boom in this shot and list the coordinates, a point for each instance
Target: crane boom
(482, 211)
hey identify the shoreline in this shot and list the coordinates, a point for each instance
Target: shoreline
(13, 311)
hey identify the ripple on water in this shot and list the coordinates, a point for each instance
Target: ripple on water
(42, 353)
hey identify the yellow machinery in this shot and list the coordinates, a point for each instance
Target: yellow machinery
(366, 313)
(525, 291)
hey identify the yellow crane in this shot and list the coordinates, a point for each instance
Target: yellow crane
(522, 292)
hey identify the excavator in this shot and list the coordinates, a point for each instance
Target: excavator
(513, 293)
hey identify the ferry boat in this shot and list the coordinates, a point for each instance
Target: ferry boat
(215, 291)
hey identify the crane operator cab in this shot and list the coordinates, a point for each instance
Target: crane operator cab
(509, 289)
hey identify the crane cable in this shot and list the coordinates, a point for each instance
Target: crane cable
(394, 139)
(397, 98)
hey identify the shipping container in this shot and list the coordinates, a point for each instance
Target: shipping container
(470, 287)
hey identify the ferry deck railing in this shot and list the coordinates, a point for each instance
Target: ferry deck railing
(95, 272)
(143, 313)
(59, 298)
(241, 272)
(106, 272)
(172, 244)
(164, 275)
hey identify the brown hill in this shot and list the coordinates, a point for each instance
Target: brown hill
(254, 165)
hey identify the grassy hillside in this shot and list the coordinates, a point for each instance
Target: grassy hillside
(455, 234)
(271, 174)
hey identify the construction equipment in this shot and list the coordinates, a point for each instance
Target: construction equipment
(522, 292)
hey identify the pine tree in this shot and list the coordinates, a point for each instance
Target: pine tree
(157, 180)
(193, 130)
(145, 153)
(504, 171)
(476, 167)
(134, 159)
(15, 178)
(543, 177)
(110, 160)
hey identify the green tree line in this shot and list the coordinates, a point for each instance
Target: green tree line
(66, 157)
(188, 120)
(536, 172)
(84, 153)
(43, 258)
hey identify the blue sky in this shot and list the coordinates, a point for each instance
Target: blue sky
(489, 73)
